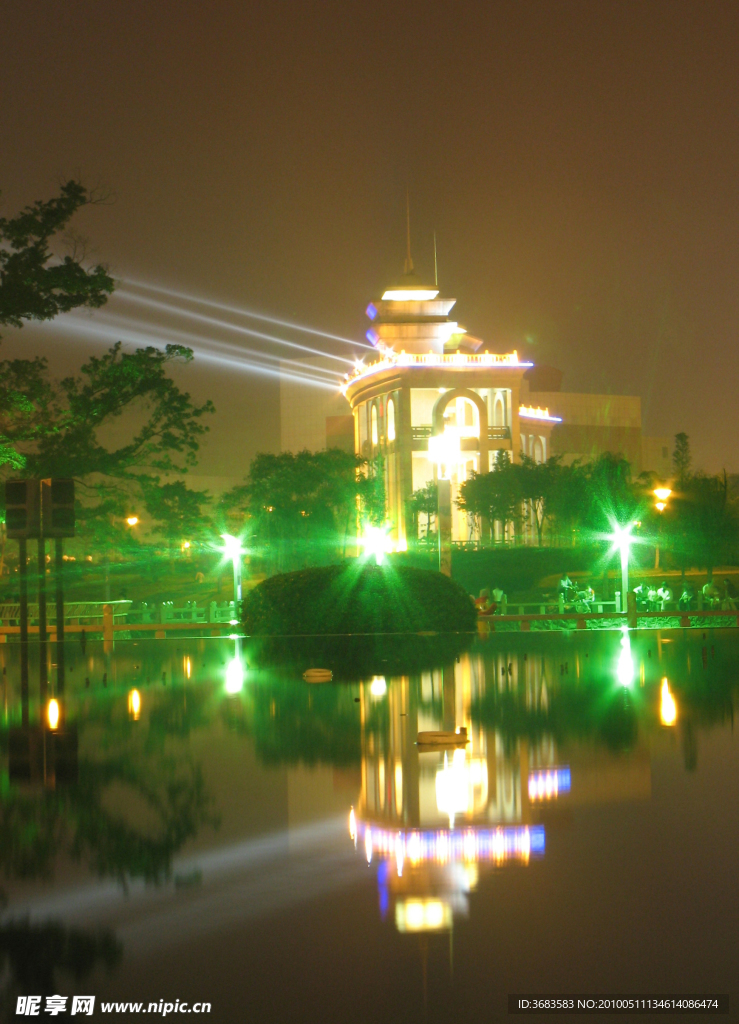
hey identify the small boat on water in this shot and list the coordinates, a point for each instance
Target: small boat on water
(441, 738)
(318, 675)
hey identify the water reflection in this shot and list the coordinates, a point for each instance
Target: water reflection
(161, 767)
(553, 727)
(44, 958)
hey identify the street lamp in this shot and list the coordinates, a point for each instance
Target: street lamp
(661, 494)
(233, 550)
(445, 450)
(622, 539)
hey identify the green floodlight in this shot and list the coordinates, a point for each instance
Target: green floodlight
(232, 549)
(376, 542)
(231, 545)
(623, 540)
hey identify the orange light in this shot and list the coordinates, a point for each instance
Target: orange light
(134, 705)
(132, 520)
(53, 714)
(667, 707)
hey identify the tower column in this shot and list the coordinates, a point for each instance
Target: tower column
(515, 425)
(404, 456)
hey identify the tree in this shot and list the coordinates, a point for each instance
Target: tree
(493, 497)
(536, 482)
(609, 497)
(702, 522)
(59, 427)
(301, 507)
(681, 459)
(568, 499)
(176, 509)
(34, 285)
(424, 502)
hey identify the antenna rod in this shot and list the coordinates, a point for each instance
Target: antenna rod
(436, 268)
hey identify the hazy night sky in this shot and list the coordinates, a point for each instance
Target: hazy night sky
(579, 162)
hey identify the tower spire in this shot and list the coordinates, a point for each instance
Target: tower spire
(408, 257)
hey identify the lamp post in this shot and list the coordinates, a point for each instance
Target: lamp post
(444, 450)
(622, 538)
(661, 494)
(233, 550)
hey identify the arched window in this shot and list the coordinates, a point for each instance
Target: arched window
(391, 420)
(375, 437)
(498, 412)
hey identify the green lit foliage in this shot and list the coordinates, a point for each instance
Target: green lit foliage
(357, 598)
(702, 522)
(60, 428)
(609, 496)
(493, 497)
(306, 725)
(605, 715)
(82, 821)
(304, 507)
(57, 429)
(423, 502)
(33, 284)
(568, 496)
(572, 501)
(536, 483)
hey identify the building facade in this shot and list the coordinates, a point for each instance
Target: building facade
(435, 403)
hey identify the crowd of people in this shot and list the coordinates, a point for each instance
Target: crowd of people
(648, 597)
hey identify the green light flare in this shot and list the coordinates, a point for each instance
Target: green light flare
(376, 543)
(233, 550)
(622, 539)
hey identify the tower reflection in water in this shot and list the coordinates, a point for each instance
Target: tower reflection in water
(432, 823)
(434, 820)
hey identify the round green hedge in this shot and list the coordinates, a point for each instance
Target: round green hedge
(357, 598)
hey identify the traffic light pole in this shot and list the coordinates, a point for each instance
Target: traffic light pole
(59, 579)
(23, 573)
(43, 670)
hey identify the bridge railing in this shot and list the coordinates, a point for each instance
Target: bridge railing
(75, 612)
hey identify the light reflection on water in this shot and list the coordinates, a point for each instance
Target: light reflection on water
(177, 760)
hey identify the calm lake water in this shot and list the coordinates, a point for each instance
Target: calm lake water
(204, 830)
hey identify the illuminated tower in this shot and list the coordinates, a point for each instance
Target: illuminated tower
(436, 403)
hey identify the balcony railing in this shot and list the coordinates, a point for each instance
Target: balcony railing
(494, 433)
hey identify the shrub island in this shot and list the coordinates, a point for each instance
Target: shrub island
(357, 598)
(358, 620)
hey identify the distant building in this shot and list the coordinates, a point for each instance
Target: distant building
(593, 424)
(437, 402)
